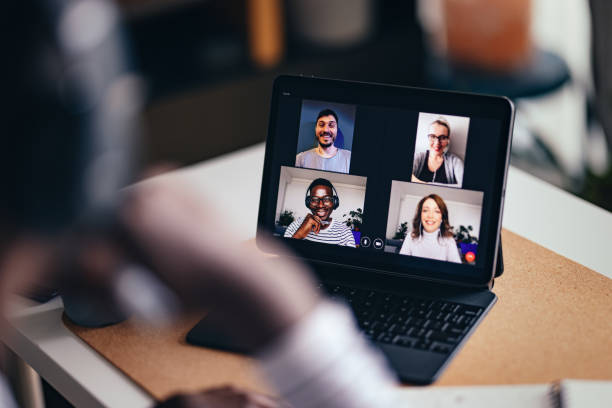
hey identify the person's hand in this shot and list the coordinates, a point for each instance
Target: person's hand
(223, 397)
(185, 241)
(311, 223)
(414, 179)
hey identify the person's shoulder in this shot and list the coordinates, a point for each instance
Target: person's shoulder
(408, 244)
(346, 228)
(344, 152)
(296, 223)
(308, 152)
(412, 240)
(452, 157)
(450, 241)
(298, 220)
(419, 157)
(339, 226)
(345, 232)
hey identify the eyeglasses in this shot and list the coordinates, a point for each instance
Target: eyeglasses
(327, 200)
(441, 138)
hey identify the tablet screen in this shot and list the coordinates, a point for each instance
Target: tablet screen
(398, 180)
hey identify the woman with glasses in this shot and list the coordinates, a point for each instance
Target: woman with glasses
(432, 235)
(437, 164)
(318, 225)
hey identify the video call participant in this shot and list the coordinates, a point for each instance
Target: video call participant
(431, 235)
(318, 226)
(325, 156)
(437, 164)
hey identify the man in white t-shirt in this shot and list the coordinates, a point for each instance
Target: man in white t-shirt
(325, 156)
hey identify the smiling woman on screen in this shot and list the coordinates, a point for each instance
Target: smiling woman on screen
(437, 164)
(431, 235)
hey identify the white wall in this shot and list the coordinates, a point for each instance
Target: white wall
(464, 206)
(280, 201)
(459, 131)
(294, 182)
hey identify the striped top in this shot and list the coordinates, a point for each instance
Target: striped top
(336, 233)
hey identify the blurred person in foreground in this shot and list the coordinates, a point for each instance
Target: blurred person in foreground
(271, 304)
(66, 127)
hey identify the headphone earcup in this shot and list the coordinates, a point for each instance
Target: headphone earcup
(307, 202)
(336, 202)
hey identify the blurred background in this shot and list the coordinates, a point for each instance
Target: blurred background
(209, 66)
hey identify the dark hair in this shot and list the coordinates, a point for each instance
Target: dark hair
(320, 182)
(417, 226)
(327, 112)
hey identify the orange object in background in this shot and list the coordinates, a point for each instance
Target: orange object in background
(470, 256)
(488, 34)
(266, 32)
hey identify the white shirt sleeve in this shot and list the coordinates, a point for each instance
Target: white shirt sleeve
(453, 251)
(323, 361)
(299, 160)
(406, 248)
(6, 397)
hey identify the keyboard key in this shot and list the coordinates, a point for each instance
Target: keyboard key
(420, 333)
(455, 331)
(472, 310)
(437, 336)
(385, 338)
(422, 345)
(435, 325)
(405, 341)
(452, 340)
(441, 348)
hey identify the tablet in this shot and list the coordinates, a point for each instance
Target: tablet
(387, 179)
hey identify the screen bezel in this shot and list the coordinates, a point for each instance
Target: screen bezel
(485, 106)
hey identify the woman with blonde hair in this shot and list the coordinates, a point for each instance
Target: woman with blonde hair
(437, 164)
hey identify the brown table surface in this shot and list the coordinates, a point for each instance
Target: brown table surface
(553, 320)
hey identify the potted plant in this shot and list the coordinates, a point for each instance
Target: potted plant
(466, 241)
(284, 220)
(399, 237)
(401, 231)
(354, 222)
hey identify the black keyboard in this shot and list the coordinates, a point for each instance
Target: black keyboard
(406, 321)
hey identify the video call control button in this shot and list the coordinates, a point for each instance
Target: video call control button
(378, 243)
(365, 242)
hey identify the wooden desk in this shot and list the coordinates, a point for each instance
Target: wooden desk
(552, 321)
(556, 290)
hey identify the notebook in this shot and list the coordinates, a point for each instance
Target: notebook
(561, 394)
(394, 195)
